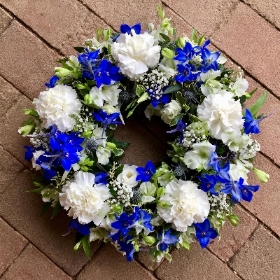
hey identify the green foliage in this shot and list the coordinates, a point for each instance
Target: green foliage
(254, 109)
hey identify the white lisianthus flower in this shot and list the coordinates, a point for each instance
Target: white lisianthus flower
(110, 94)
(199, 156)
(210, 75)
(151, 111)
(36, 154)
(148, 190)
(168, 67)
(84, 199)
(128, 175)
(221, 113)
(170, 111)
(239, 87)
(188, 204)
(56, 105)
(135, 53)
(103, 154)
(236, 141)
(238, 170)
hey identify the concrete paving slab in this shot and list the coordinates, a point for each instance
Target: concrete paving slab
(259, 257)
(11, 245)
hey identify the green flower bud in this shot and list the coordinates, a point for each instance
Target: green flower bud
(163, 204)
(86, 134)
(62, 72)
(262, 176)
(106, 34)
(87, 99)
(111, 145)
(117, 208)
(234, 220)
(167, 53)
(181, 42)
(160, 192)
(150, 240)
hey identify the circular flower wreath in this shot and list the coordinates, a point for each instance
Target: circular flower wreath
(178, 79)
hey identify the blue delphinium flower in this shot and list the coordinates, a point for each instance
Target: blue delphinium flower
(239, 191)
(82, 229)
(146, 173)
(89, 62)
(214, 162)
(208, 183)
(166, 239)
(124, 223)
(64, 150)
(180, 127)
(106, 73)
(101, 178)
(204, 232)
(127, 247)
(185, 73)
(144, 220)
(209, 59)
(52, 82)
(28, 153)
(185, 54)
(251, 125)
(164, 99)
(106, 119)
(124, 28)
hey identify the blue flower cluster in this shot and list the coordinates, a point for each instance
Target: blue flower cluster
(124, 223)
(187, 69)
(102, 71)
(222, 180)
(63, 151)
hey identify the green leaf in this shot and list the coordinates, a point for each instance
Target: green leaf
(139, 90)
(45, 207)
(77, 246)
(143, 97)
(56, 209)
(86, 246)
(175, 120)
(201, 40)
(30, 112)
(112, 191)
(118, 152)
(173, 88)
(250, 94)
(160, 12)
(26, 129)
(194, 118)
(194, 36)
(119, 170)
(79, 49)
(165, 37)
(38, 190)
(180, 99)
(121, 144)
(254, 109)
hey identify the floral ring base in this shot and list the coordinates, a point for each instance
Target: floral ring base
(177, 80)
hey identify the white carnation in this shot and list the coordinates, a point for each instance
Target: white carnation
(56, 105)
(188, 204)
(221, 113)
(170, 111)
(135, 53)
(84, 199)
(128, 175)
(199, 156)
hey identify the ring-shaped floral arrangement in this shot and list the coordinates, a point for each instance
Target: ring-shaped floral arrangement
(178, 79)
